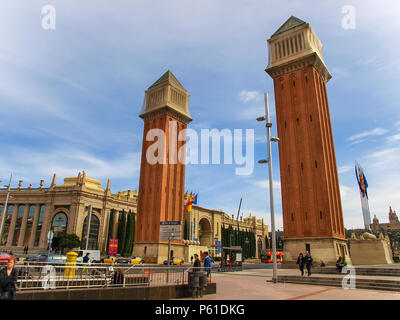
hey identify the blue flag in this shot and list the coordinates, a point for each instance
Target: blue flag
(195, 199)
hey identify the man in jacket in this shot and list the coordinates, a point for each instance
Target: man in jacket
(308, 259)
(207, 263)
(86, 258)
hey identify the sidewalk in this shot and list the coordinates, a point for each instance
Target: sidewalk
(253, 285)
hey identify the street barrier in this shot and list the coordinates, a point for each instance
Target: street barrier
(46, 276)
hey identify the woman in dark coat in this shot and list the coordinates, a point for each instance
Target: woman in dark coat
(8, 281)
(300, 262)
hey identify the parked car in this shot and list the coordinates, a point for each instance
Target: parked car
(38, 258)
(59, 259)
(136, 260)
(175, 261)
(131, 260)
(4, 256)
(109, 259)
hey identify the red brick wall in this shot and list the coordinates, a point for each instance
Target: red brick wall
(310, 189)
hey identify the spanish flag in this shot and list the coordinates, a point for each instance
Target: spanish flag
(185, 197)
(188, 206)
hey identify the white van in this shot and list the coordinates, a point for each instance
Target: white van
(94, 255)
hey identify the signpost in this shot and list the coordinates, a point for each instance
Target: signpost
(170, 230)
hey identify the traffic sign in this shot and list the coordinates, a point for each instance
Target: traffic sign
(170, 230)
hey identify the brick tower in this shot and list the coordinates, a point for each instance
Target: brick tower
(311, 204)
(162, 171)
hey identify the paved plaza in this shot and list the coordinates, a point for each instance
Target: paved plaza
(253, 285)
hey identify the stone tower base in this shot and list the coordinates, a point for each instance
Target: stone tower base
(371, 251)
(157, 252)
(326, 249)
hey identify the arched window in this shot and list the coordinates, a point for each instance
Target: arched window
(59, 224)
(259, 244)
(94, 233)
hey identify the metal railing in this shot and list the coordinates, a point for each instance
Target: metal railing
(46, 276)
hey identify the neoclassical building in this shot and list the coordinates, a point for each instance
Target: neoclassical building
(394, 223)
(205, 227)
(32, 212)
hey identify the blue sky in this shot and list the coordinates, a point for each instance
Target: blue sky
(70, 97)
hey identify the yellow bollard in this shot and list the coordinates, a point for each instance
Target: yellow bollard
(70, 265)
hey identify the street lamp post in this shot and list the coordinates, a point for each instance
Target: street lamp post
(5, 208)
(271, 187)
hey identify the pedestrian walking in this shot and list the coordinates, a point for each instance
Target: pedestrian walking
(207, 263)
(86, 258)
(191, 260)
(197, 263)
(118, 278)
(300, 262)
(196, 291)
(8, 281)
(308, 261)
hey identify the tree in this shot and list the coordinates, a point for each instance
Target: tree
(110, 229)
(70, 241)
(267, 245)
(185, 230)
(128, 245)
(121, 232)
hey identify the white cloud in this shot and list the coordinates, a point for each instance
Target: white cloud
(32, 166)
(247, 96)
(265, 184)
(344, 169)
(394, 138)
(371, 133)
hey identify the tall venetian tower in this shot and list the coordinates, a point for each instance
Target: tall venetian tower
(311, 204)
(162, 170)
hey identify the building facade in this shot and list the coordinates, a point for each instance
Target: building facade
(32, 212)
(392, 225)
(205, 228)
(311, 204)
